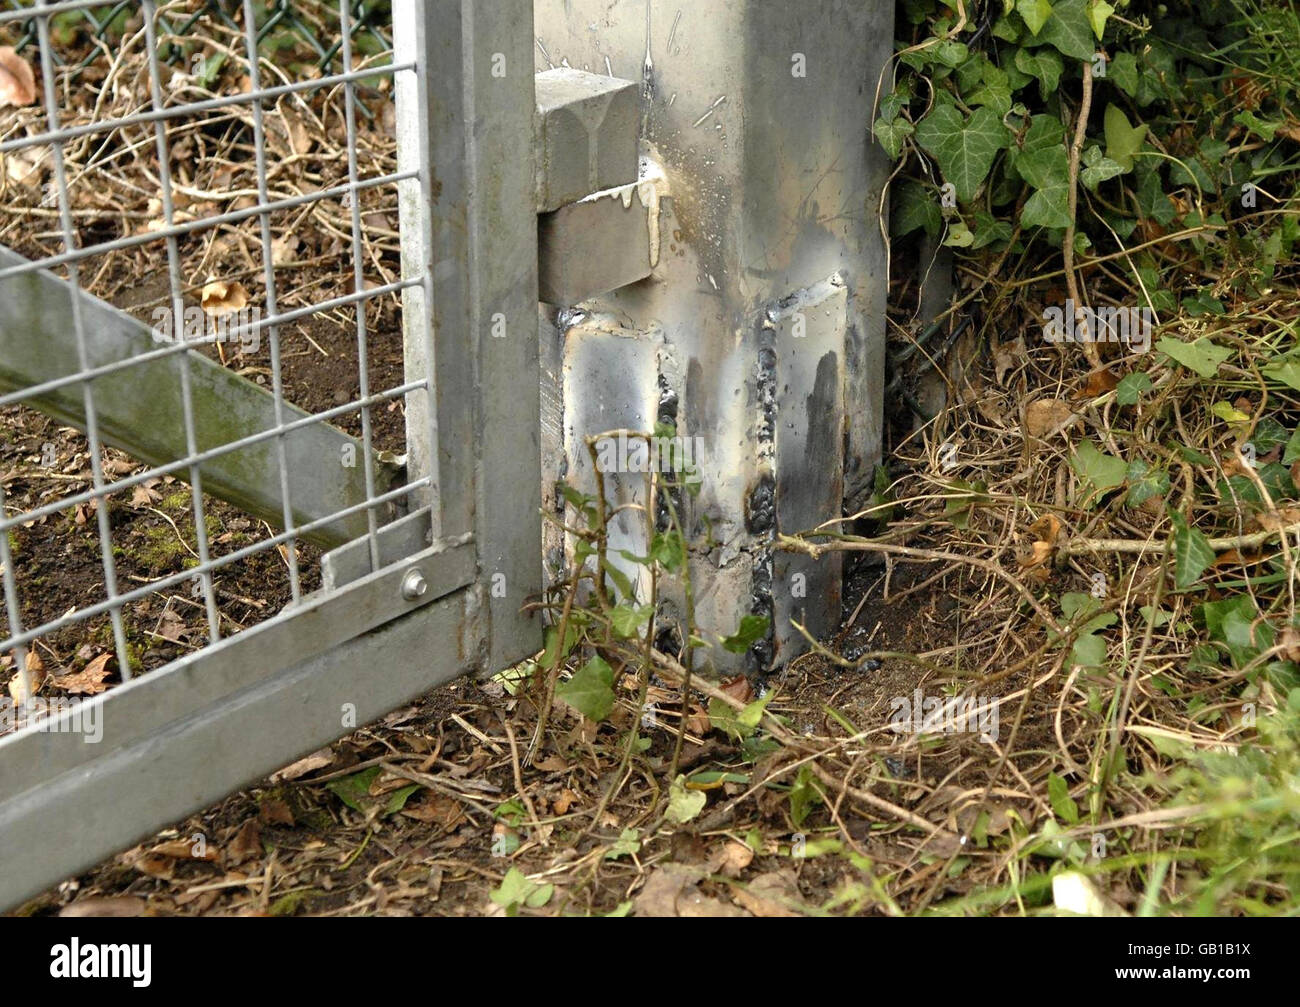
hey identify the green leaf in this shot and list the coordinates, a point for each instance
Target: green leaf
(1048, 207)
(1292, 452)
(1145, 482)
(1227, 411)
(516, 890)
(1069, 29)
(591, 689)
(1098, 168)
(915, 206)
(1285, 371)
(1058, 793)
(891, 135)
(627, 619)
(964, 148)
(1192, 552)
(1201, 356)
(1043, 64)
(959, 235)
(683, 804)
(1122, 71)
(1099, 471)
(1098, 12)
(1131, 388)
(398, 798)
(353, 790)
(668, 550)
(1034, 13)
(626, 844)
(1089, 651)
(803, 796)
(1153, 202)
(752, 629)
(1123, 140)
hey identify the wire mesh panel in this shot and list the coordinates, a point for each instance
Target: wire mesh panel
(201, 365)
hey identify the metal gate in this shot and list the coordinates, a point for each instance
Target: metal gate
(427, 560)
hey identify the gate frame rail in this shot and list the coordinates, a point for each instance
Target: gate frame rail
(186, 735)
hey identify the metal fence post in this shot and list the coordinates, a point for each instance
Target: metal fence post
(470, 230)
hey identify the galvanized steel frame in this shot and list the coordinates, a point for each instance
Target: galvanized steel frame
(405, 606)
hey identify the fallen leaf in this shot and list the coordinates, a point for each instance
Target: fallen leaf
(221, 298)
(438, 809)
(738, 687)
(275, 812)
(671, 891)
(1099, 382)
(1038, 554)
(17, 82)
(183, 849)
(731, 859)
(90, 680)
(37, 673)
(769, 894)
(247, 844)
(155, 865)
(1277, 519)
(305, 765)
(564, 802)
(104, 905)
(1043, 416)
(1046, 529)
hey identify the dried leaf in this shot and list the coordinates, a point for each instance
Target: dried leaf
(1043, 416)
(90, 680)
(17, 82)
(1046, 529)
(1099, 382)
(247, 844)
(564, 802)
(107, 905)
(184, 849)
(305, 765)
(769, 894)
(275, 812)
(221, 298)
(731, 859)
(738, 687)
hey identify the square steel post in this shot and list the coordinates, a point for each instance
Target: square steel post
(469, 230)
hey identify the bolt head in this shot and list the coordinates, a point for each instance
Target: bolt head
(414, 585)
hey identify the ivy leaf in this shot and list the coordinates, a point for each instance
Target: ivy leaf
(1044, 65)
(752, 629)
(1201, 356)
(352, 790)
(1098, 13)
(1285, 371)
(1192, 552)
(1152, 201)
(1099, 471)
(1048, 207)
(1058, 793)
(1098, 168)
(1034, 13)
(1123, 140)
(627, 619)
(964, 148)
(1122, 71)
(1069, 29)
(891, 135)
(591, 689)
(683, 804)
(1131, 388)
(1292, 452)
(959, 236)
(915, 206)
(1144, 482)
(1229, 413)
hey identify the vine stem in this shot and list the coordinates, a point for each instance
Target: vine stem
(1067, 246)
